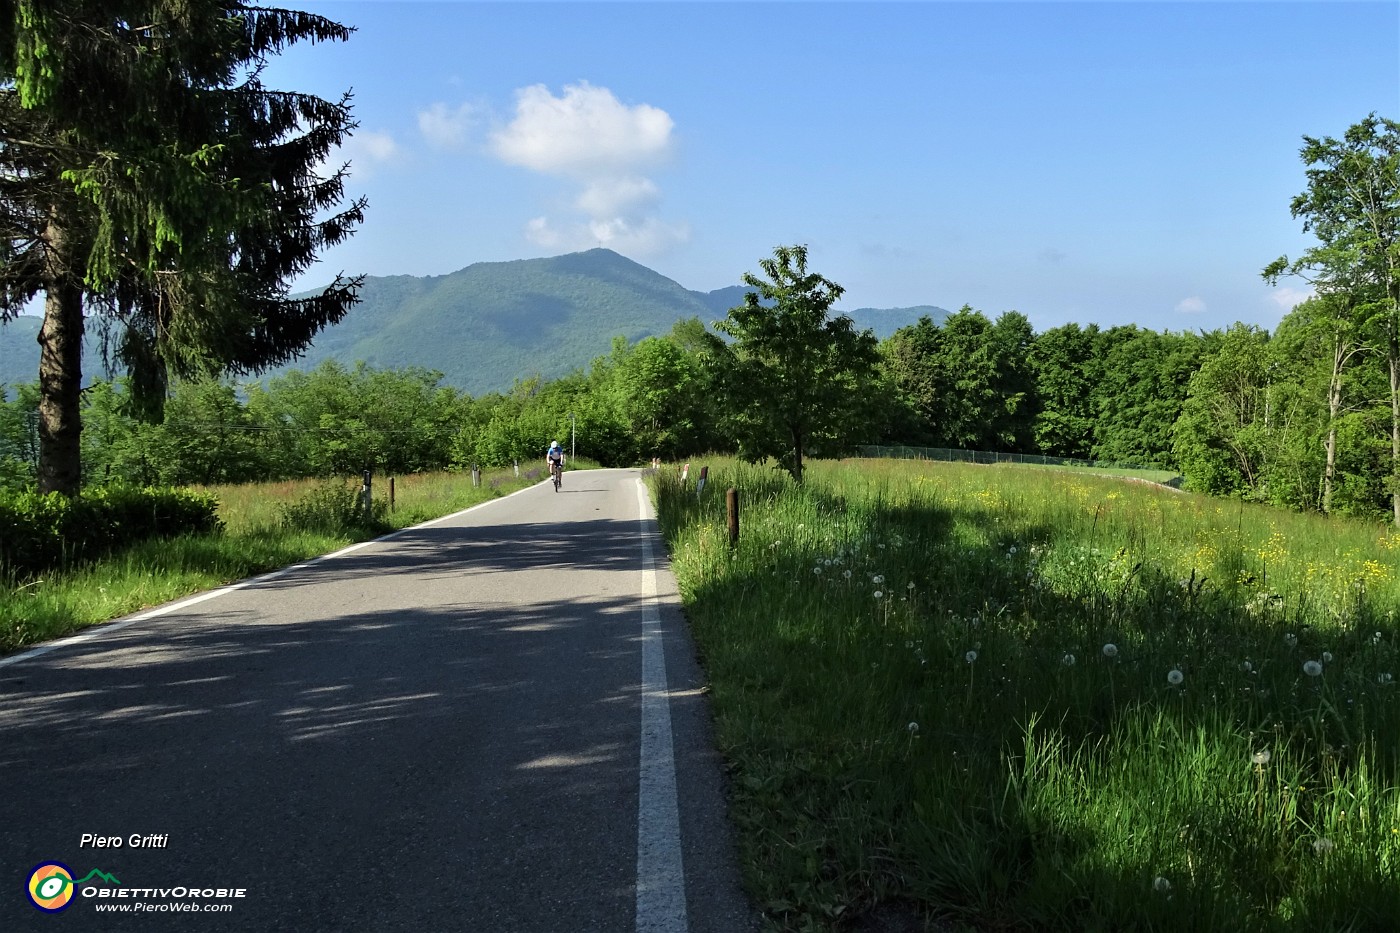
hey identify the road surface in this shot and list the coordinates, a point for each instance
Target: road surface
(492, 722)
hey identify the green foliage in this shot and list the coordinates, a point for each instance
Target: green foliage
(153, 181)
(1352, 206)
(52, 531)
(795, 378)
(1143, 384)
(336, 508)
(1066, 366)
(965, 383)
(19, 437)
(1221, 435)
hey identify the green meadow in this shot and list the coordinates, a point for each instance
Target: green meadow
(266, 526)
(991, 698)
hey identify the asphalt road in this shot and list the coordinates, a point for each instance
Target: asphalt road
(492, 722)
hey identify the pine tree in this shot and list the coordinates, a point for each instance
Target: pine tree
(150, 179)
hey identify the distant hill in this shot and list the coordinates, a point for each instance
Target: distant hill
(491, 323)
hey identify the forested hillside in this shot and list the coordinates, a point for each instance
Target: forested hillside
(488, 324)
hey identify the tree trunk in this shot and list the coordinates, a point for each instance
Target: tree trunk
(1395, 426)
(1334, 407)
(60, 369)
(797, 454)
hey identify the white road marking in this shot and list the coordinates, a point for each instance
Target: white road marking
(660, 874)
(108, 628)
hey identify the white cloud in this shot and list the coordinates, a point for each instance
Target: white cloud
(1191, 305)
(614, 196)
(584, 133)
(589, 137)
(1289, 298)
(646, 237)
(445, 127)
(365, 151)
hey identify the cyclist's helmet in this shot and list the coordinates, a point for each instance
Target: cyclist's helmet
(553, 445)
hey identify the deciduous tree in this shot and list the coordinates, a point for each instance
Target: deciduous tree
(795, 376)
(1352, 206)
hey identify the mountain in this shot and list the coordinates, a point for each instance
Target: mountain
(491, 323)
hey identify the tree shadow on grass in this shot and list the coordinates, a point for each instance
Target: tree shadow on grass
(1145, 612)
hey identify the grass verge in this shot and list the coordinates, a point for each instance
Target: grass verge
(994, 700)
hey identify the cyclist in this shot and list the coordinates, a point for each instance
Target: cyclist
(554, 460)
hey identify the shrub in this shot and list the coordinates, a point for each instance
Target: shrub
(335, 508)
(43, 532)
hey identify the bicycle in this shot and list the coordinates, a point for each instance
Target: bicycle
(556, 469)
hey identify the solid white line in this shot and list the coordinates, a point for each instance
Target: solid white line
(660, 874)
(107, 628)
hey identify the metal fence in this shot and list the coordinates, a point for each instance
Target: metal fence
(903, 452)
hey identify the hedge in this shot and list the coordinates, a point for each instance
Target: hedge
(46, 532)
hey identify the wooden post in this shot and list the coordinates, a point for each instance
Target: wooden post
(369, 512)
(476, 475)
(731, 508)
(391, 494)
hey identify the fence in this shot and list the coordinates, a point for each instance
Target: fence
(903, 452)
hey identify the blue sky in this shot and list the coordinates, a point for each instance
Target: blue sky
(1126, 162)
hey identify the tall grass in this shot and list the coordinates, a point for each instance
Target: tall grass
(267, 525)
(1018, 699)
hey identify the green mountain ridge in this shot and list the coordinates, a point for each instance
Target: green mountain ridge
(491, 323)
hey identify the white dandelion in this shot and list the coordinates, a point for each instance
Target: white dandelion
(1110, 650)
(1175, 677)
(1312, 669)
(971, 656)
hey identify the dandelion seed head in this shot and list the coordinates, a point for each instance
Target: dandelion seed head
(878, 579)
(912, 727)
(817, 571)
(1261, 757)
(1175, 677)
(1246, 667)
(1290, 640)
(1067, 660)
(1110, 650)
(1312, 669)
(1326, 657)
(1161, 885)
(971, 656)
(879, 594)
(846, 574)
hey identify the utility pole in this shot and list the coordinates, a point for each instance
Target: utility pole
(571, 436)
